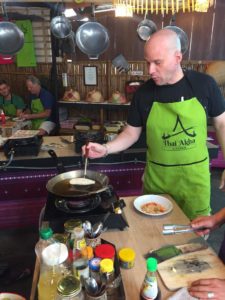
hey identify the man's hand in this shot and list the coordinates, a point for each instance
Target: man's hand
(208, 289)
(222, 180)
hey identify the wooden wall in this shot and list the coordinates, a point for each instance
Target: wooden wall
(108, 78)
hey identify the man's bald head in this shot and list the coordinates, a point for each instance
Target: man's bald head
(163, 55)
(165, 38)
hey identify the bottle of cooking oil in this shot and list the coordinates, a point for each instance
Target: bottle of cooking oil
(52, 268)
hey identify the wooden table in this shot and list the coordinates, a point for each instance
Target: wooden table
(144, 233)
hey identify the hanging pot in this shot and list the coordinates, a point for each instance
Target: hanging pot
(61, 27)
(145, 29)
(92, 39)
(11, 38)
(182, 36)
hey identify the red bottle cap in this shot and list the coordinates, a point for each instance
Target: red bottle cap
(105, 251)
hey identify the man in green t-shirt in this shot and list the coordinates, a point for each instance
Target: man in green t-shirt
(12, 104)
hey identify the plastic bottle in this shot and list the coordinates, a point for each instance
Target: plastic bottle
(53, 266)
(46, 239)
(149, 289)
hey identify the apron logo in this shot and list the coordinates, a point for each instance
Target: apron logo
(178, 130)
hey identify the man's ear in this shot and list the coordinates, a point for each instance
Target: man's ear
(178, 56)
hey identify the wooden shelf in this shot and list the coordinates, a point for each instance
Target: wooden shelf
(101, 106)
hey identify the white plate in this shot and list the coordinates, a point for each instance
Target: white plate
(11, 296)
(139, 201)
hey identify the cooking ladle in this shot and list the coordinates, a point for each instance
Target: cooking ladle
(91, 285)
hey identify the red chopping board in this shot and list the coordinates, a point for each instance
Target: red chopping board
(182, 270)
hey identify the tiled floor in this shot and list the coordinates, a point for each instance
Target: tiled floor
(17, 246)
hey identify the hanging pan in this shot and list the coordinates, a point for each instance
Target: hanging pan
(92, 38)
(11, 38)
(61, 27)
(146, 28)
(182, 36)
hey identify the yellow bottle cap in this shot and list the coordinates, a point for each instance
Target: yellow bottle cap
(106, 265)
(126, 254)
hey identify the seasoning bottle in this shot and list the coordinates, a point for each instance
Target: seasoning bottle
(69, 288)
(80, 256)
(94, 268)
(107, 274)
(69, 226)
(149, 289)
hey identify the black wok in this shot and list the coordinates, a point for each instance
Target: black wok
(60, 184)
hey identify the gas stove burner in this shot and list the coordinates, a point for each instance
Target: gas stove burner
(59, 210)
(77, 207)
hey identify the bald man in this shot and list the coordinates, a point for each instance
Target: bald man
(172, 108)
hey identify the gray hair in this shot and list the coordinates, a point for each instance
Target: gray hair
(34, 79)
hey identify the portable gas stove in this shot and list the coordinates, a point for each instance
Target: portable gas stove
(93, 208)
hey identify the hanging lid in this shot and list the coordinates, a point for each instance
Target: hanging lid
(151, 264)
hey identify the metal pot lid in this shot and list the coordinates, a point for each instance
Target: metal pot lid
(92, 38)
(11, 38)
(146, 28)
(61, 27)
(182, 36)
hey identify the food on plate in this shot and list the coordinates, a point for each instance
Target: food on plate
(94, 96)
(153, 208)
(81, 181)
(71, 95)
(118, 98)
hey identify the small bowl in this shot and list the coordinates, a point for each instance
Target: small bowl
(11, 296)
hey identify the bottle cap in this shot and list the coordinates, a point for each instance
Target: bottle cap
(94, 264)
(54, 254)
(106, 265)
(151, 264)
(46, 233)
(105, 251)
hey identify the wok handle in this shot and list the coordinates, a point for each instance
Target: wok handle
(59, 164)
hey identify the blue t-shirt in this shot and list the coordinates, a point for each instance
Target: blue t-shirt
(49, 102)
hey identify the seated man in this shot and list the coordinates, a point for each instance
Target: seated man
(11, 104)
(43, 111)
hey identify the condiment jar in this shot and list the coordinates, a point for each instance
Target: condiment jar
(94, 268)
(105, 251)
(69, 288)
(107, 274)
(126, 258)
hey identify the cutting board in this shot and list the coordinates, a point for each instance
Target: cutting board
(182, 270)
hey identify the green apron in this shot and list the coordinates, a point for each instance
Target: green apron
(177, 155)
(37, 107)
(9, 109)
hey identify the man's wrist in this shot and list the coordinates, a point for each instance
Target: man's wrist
(106, 149)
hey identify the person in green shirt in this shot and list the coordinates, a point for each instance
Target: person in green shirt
(12, 104)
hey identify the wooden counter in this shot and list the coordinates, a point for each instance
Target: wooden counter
(144, 233)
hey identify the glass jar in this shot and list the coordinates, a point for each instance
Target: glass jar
(69, 288)
(69, 226)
